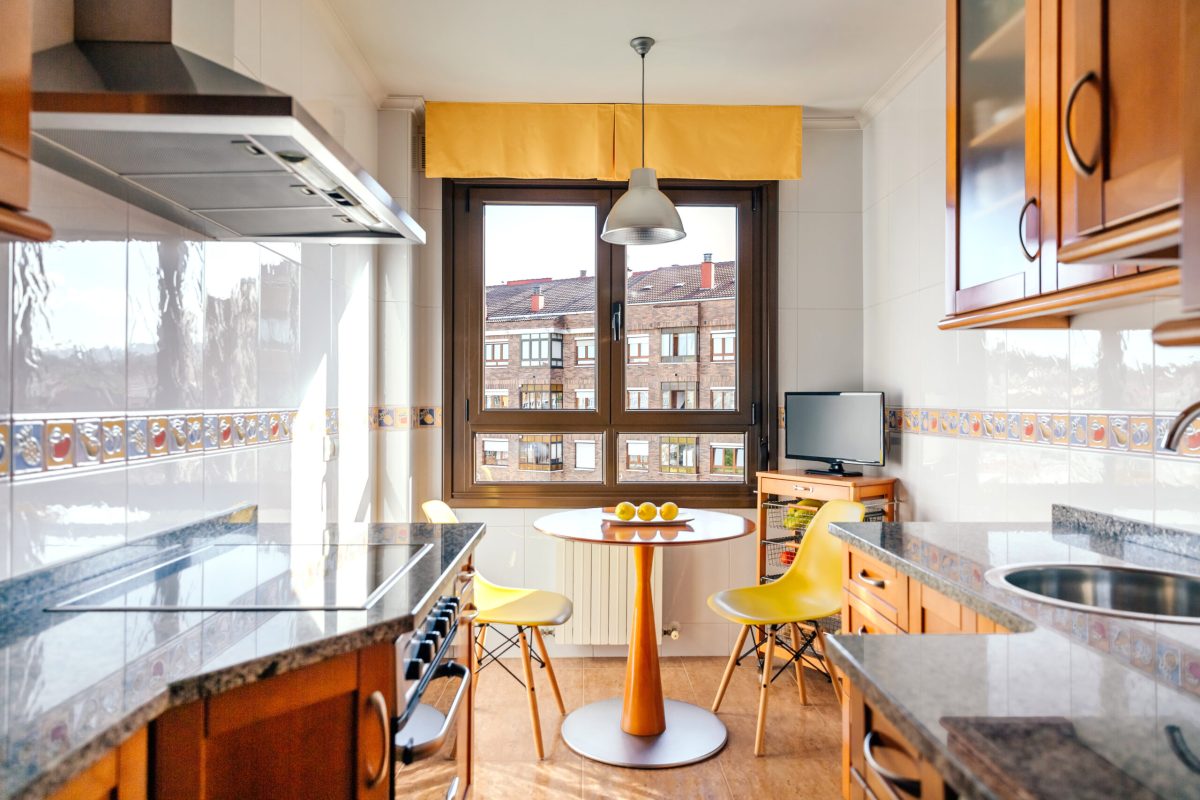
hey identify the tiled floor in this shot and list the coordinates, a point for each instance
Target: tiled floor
(803, 742)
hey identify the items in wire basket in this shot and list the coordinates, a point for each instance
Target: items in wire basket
(799, 514)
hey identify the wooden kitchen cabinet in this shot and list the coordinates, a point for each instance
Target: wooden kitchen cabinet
(121, 774)
(877, 760)
(996, 198)
(1120, 87)
(322, 731)
(1080, 205)
(16, 61)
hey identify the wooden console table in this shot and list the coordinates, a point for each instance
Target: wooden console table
(795, 484)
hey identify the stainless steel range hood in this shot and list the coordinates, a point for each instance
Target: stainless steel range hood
(123, 109)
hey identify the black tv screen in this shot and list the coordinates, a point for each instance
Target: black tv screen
(835, 427)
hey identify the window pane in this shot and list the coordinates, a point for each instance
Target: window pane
(540, 305)
(555, 457)
(681, 457)
(681, 315)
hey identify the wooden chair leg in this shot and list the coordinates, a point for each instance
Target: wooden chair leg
(533, 709)
(796, 640)
(833, 676)
(733, 657)
(479, 643)
(537, 635)
(760, 732)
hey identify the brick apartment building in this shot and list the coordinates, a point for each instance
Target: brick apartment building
(680, 346)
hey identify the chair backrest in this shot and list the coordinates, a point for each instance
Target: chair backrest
(438, 512)
(817, 570)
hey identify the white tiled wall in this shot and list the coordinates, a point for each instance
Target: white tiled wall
(1106, 362)
(820, 347)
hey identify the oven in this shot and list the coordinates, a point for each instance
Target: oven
(433, 740)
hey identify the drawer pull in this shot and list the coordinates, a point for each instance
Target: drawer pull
(869, 581)
(904, 783)
(798, 488)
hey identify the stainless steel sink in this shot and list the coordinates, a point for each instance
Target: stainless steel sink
(1120, 591)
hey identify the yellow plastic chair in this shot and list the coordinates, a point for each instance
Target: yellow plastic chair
(810, 590)
(522, 608)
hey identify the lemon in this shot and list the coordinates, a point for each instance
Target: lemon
(668, 511)
(647, 511)
(625, 510)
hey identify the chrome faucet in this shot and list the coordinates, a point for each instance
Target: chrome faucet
(1174, 435)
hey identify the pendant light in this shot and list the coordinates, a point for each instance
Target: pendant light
(643, 215)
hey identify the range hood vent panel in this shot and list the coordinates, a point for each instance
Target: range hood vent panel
(190, 140)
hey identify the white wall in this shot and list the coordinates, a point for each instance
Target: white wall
(820, 323)
(1105, 364)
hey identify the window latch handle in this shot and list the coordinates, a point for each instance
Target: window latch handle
(617, 321)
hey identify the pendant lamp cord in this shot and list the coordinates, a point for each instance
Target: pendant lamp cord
(643, 55)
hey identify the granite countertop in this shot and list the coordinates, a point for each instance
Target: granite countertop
(1050, 709)
(76, 684)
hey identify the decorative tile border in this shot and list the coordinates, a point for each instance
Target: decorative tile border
(1117, 432)
(395, 418)
(1168, 662)
(32, 446)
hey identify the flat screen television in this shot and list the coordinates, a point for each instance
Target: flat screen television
(835, 427)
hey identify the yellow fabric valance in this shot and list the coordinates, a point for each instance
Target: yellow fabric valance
(560, 140)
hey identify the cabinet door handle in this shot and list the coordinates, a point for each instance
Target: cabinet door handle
(1077, 164)
(800, 489)
(869, 581)
(1021, 231)
(379, 705)
(902, 782)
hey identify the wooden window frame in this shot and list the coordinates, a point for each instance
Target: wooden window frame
(495, 343)
(640, 390)
(723, 356)
(639, 359)
(675, 335)
(465, 417)
(588, 343)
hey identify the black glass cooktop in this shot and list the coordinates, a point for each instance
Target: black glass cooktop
(250, 577)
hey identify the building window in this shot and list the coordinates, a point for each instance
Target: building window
(542, 453)
(639, 349)
(585, 456)
(585, 352)
(495, 398)
(637, 455)
(728, 459)
(637, 398)
(542, 350)
(495, 353)
(495, 452)
(678, 344)
(679, 394)
(585, 398)
(679, 454)
(724, 398)
(724, 346)
(539, 396)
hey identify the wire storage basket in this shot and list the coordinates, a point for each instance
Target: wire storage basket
(786, 524)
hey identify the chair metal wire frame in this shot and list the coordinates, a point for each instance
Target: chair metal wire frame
(805, 652)
(491, 656)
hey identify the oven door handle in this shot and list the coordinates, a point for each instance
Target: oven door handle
(415, 751)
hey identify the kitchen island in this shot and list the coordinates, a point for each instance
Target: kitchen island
(81, 683)
(1070, 703)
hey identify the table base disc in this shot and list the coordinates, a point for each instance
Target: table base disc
(693, 734)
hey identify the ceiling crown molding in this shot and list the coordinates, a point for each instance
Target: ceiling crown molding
(847, 123)
(930, 49)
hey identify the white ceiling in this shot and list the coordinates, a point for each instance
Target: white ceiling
(829, 55)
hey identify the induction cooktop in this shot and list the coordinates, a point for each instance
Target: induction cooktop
(259, 577)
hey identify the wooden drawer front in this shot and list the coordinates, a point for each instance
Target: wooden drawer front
(802, 489)
(861, 618)
(878, 585)
(931, 611)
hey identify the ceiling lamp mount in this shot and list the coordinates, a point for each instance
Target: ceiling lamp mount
(643, 215)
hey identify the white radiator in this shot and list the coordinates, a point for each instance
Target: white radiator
(600, 580)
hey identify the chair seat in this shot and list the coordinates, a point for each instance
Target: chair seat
(509, 605)
(771, 604)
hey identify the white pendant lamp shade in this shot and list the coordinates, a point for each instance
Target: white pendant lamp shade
(643, 215)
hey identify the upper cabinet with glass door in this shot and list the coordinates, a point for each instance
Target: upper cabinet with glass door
(994, 184)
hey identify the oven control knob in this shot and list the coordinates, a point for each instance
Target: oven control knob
(441, 624)
(413, 667)
(426, 649)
